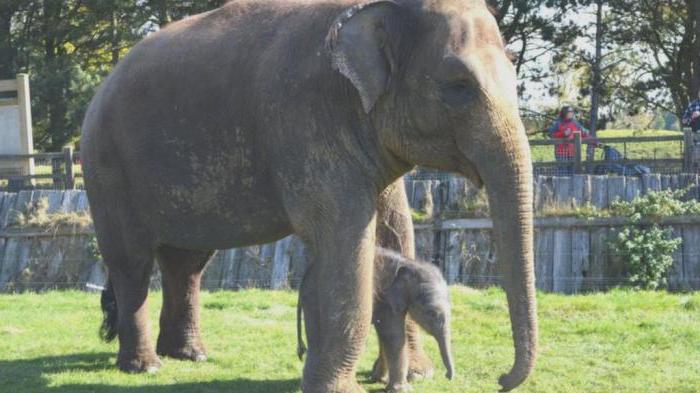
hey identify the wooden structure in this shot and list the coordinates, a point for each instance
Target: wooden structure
(62, 174)
(16, 128)
(571, 255)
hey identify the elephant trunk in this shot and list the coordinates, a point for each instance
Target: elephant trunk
(507, 174)
(445, 346)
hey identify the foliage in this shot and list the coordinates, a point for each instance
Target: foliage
(36, 215)
(656, 205)
(648, 250)
(68, 46)
(419, 217)
(648, 253)
(92, 249)
(476, 206)
(586, 210)
(649, 59)
(662, 52)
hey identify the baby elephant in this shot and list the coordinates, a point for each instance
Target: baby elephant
(403, 286)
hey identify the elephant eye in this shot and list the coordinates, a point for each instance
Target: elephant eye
(456, 93)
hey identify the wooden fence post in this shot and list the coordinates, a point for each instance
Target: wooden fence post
(69, 180)
(689, 145)
(578, 168)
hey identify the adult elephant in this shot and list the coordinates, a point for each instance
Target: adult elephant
(264, 118)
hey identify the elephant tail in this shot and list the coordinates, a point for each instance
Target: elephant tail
(108, 301)
(301, 347)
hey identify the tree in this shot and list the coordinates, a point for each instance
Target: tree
(532, 28)
(68, 46)
(663, 52)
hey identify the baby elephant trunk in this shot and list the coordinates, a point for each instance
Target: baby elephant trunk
(446, 352)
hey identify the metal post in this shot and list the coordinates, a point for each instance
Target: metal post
(689, 144)
(69, 180)
(577, 153)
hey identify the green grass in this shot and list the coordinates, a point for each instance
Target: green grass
(621, 341)
(646, 150)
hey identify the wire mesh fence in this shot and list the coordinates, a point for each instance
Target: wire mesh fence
(565, 270)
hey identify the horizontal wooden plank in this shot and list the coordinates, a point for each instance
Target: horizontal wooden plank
(456, 224)
(642, 139)
(38, 232)
(634, 139)
(46, 156)
(9, 102)
(30, 177)
(557, 222)
(654, 162)
(8, 85)
(466, 223)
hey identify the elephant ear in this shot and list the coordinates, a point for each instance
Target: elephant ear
(399, 292)
(362, 43)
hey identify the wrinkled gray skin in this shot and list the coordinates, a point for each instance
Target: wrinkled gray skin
(401, 287)
(270, 117)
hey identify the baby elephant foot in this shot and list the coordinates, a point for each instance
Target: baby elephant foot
(148, 363)
(398, 388)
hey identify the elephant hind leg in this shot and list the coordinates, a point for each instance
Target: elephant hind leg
(179, 319)
(130, 263)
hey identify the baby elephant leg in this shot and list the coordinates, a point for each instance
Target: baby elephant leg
(392, 335)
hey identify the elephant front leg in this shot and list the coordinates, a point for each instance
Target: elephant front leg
(179, 319)
(395, 231)
(392, 335)
(342, 280)
(379, 370)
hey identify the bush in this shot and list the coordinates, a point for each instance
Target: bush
(656, 205)
(648, 251)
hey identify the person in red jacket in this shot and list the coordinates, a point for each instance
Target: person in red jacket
(565, 128)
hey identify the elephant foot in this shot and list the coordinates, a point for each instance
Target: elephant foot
(420, 366)
(350, 386)
(398, 388)
(148, 363)
(379, 373)
(181, 349)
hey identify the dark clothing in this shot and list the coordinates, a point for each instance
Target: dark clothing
(688, 120)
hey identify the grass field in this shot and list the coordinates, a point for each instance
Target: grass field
(646, 150)
(616, 342)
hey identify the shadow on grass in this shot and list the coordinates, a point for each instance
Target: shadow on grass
(28, 375)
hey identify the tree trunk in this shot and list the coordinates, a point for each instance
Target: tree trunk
(597, 77)
(7, 51)
(55, 59)
(694, 16)
(114, 37)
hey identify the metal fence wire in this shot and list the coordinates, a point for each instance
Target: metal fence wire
(571, 271)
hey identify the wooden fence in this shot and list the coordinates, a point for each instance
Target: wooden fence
(571, 254)
(62, 174)
(579, 165)
(448, 196)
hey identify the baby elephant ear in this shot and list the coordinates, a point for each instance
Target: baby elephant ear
(398, 294)
(361, 43)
